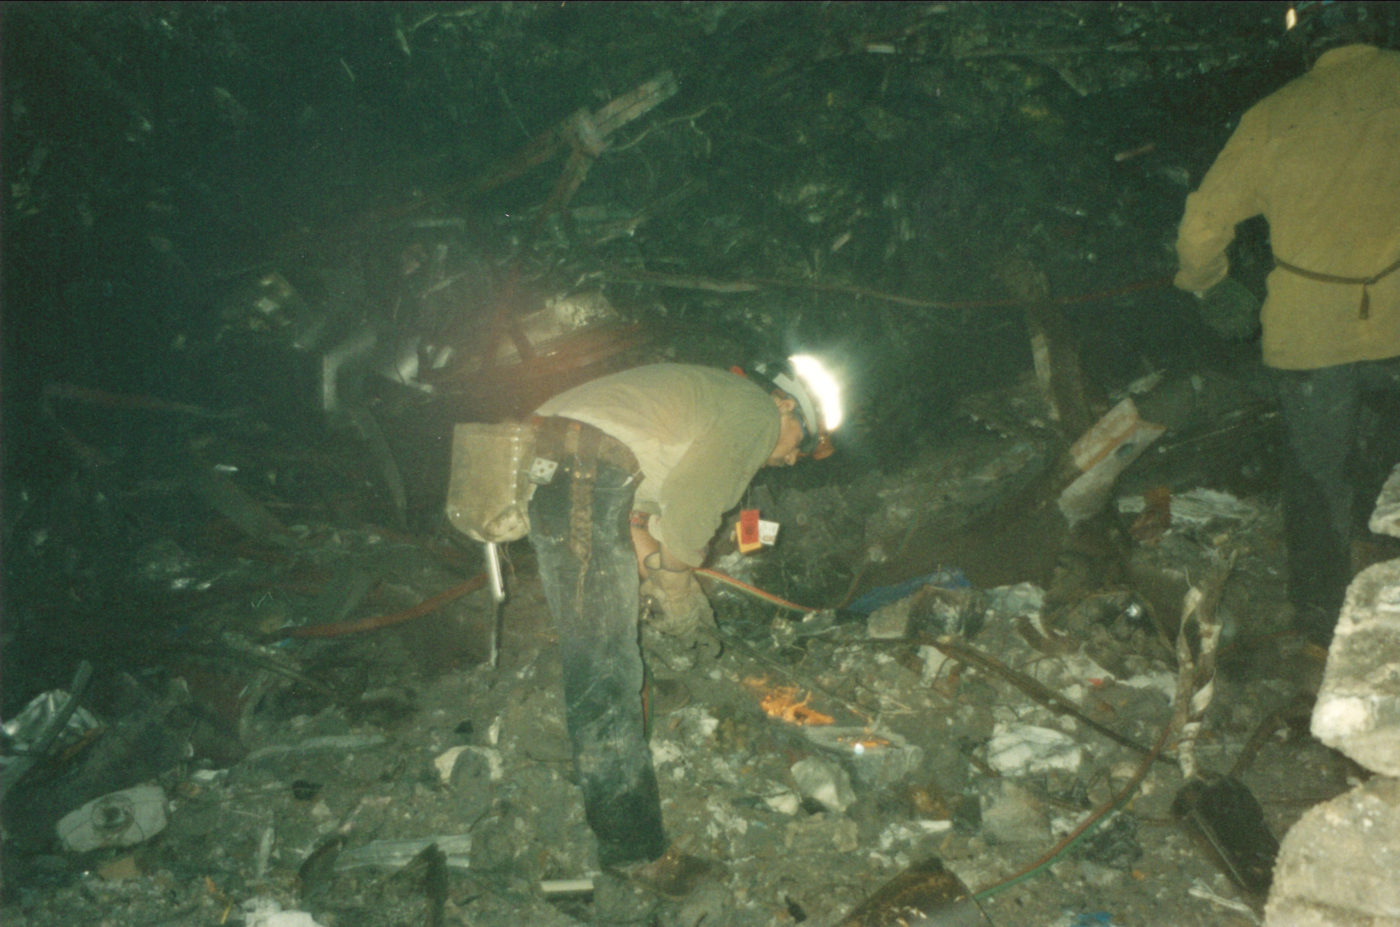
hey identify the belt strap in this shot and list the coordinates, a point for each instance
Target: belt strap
(558, 436)
(1364, 311)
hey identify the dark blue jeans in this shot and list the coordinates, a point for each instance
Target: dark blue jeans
(1323, 412)
(579, 529)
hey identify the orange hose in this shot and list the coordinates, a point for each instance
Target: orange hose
(754, 590)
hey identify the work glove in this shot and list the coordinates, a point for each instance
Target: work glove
(677, 593)
(1230, 310)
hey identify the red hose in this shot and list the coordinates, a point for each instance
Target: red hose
(376, 622)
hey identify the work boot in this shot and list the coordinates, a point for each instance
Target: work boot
(697, 651)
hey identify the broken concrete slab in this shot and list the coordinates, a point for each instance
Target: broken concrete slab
(1337, 866)
(1358, 706)
(1385, 518)
(1024, 750)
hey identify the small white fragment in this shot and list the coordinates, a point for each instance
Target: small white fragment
(1026, 750)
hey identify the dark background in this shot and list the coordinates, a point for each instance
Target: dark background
(158, 157)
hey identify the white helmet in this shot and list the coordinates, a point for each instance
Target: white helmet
(818, 398)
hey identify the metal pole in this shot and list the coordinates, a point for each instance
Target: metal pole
(497, 581)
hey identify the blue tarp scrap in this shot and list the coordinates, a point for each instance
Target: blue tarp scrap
(948, 578)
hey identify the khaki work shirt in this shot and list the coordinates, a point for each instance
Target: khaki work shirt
(699, 435)
(1320, 160)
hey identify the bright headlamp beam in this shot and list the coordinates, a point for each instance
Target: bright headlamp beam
(820, 381)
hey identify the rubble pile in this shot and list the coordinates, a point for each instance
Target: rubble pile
(258, 262)
(1337, 864)
(814, 756)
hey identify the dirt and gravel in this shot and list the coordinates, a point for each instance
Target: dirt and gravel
(396, 777)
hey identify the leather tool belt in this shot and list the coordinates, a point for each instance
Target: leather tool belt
(559, 439)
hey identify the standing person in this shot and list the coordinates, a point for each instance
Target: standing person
(649, 460)
(1320, 160)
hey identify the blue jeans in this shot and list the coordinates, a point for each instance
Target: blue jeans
(579, 529)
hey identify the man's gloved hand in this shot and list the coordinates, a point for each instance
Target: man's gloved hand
(1230, 310)
(684, 607)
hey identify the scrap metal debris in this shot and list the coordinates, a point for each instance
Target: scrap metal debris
(256, 290)
(926, 893)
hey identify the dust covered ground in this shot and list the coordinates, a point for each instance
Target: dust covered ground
(259, 259)
(395, 777)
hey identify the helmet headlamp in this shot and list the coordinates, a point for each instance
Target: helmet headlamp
(818, 399)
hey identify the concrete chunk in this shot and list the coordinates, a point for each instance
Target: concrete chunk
(1337, 866)
(1385, 519)
(1027, 750)
(824, 782)
(890, 622)
(1358, 706)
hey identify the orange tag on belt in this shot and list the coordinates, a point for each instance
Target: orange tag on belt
(746, 531)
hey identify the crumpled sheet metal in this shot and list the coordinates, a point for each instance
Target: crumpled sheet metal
(24, 727)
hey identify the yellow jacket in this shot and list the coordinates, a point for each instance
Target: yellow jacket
(1320, 159)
